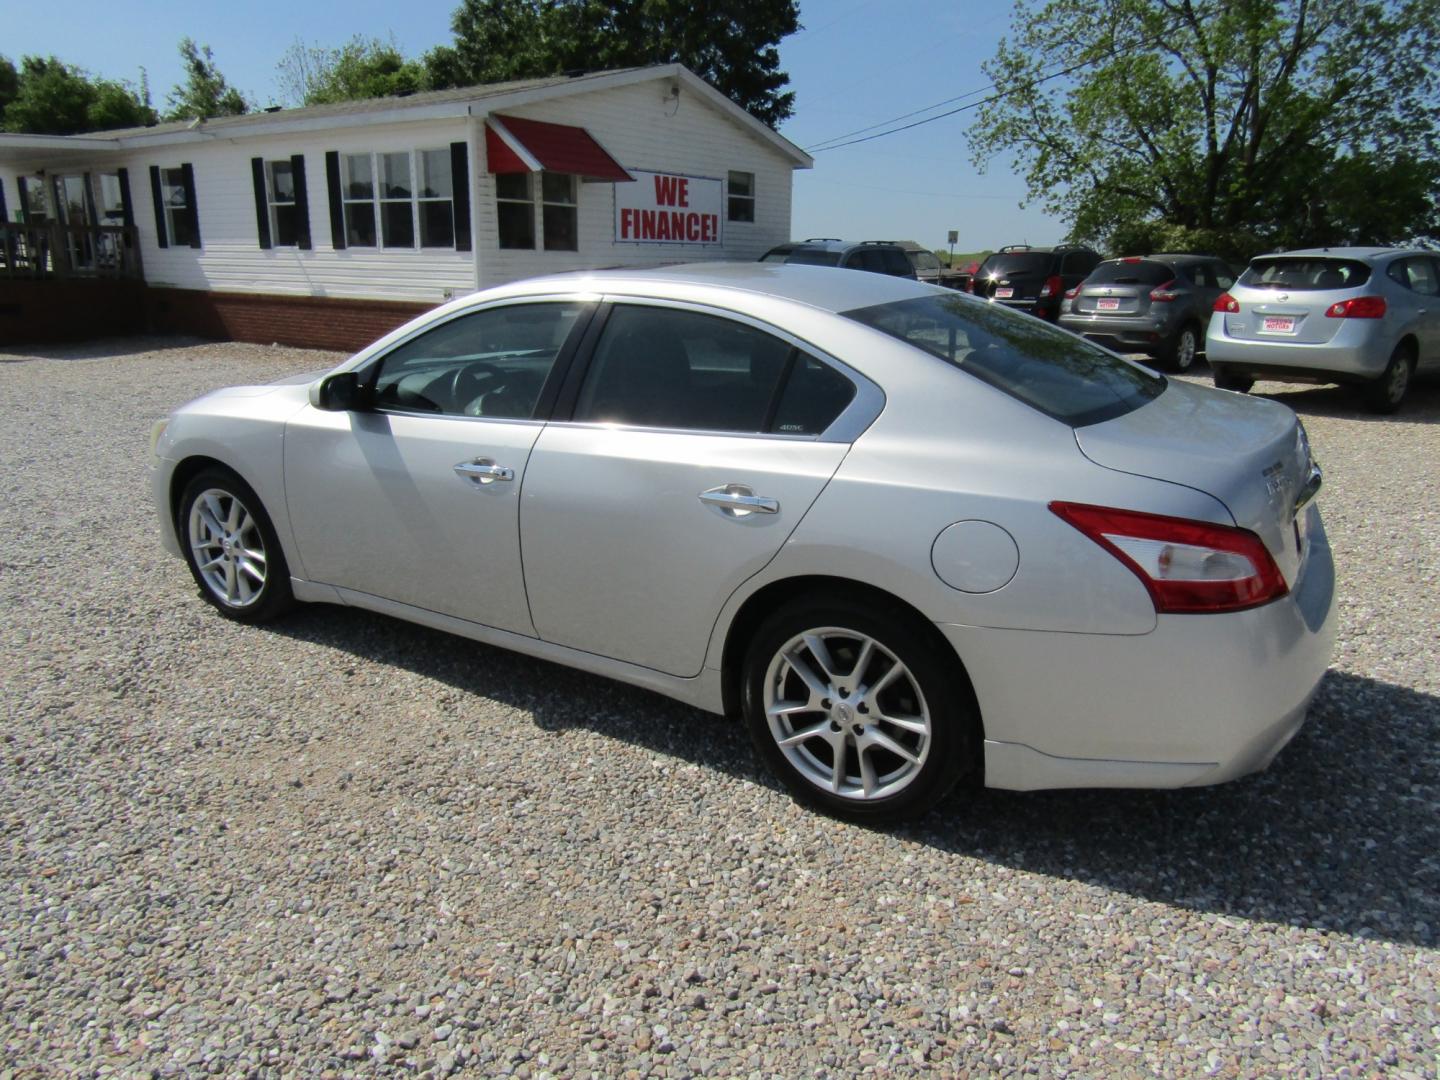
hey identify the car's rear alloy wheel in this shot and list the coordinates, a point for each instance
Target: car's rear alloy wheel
(231, 548)
(855, 712)
(1186, 346)
(1385, 394)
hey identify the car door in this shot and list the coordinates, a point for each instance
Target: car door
(696, 442)
(416, 498)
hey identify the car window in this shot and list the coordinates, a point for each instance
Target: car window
(776, 256)
(813, 257)
(925, 260)
(1130, 272)
(669, 368)
(1077, 262)
(1224, 278)
(1059, 374)
(1017, 263)
(895, 261)
(1305, 274)
(866, 259)
(1417, 275)
(488, 363)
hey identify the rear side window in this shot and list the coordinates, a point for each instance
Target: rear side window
(814, 257)
(1128, 272)
(1417, 275)
(896, 262)
(670, 368)
(1015, 263)
(1062, 376)
(1305, 274)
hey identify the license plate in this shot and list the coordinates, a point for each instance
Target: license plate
(1107, 303)
(1278, 324)
(1004, 294)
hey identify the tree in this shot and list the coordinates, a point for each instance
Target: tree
(361, 68)
(204, 93)
(1225, 125)
(52, 98)
(730, 43)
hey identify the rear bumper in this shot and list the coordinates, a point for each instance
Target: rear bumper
(1199, 700)
(1353, 355)
(1123, 335)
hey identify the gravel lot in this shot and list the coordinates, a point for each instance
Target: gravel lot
(344, 845)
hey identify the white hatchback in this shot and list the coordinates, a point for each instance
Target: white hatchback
(1368, 317)
(911, 536)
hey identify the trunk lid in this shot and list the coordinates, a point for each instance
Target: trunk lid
(1284, 298)
(1249, 453)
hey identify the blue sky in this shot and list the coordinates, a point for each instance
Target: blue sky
(856, 63)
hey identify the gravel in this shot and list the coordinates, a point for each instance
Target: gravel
(342, 845)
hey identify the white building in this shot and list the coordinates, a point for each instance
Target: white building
(330, 224)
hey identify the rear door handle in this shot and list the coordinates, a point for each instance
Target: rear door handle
(483, 471)
(737, 500)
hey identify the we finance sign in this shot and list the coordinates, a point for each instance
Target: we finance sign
(664, 208)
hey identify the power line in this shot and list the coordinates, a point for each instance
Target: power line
(821, 147)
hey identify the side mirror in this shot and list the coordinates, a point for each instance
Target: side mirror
(341, 392)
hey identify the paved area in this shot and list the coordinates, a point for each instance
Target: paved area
(344, 845)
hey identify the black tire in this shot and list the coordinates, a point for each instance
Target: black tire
(242, 582)
(930, 683)
(1225, 379)
(1385, 394)
(1182, 354)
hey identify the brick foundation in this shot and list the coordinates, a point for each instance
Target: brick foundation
(42, 312)
(312, 322)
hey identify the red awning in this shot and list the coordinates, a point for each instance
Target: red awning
(513, 145)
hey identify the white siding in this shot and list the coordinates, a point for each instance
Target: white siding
(639, 125)
(643, 129)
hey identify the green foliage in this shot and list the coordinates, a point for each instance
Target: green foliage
(204, 93)
(361, 68)
(1225, 126)
(730, 43)
(48, 97)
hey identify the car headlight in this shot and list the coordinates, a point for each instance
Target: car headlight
(157, 431)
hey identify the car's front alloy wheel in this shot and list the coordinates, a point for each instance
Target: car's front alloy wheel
(231, 548)
(856, 712)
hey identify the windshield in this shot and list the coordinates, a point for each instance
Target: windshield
(1130, 272)
(1305, 275)
(924, 260)
(1063, 376)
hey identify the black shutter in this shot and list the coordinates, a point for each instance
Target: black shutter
(337, 210)
(192, 210)
(4, 216)
(127, 208)
(24, 197)
(460, 186)
(159, 196)
(302, 201)
(262, 209)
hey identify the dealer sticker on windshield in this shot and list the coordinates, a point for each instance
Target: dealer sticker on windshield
(1278, 324)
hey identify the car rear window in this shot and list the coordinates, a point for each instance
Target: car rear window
(1059, 374)
(1305, 275)
(1126, 272)
(814, 258)
(1012, 263)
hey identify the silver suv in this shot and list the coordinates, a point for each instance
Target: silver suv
(1364, 316)
(1156, 304)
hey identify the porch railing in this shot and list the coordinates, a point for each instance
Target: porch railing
(68, 251)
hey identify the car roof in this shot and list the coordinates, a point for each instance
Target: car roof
(826, 243)
(814, 286)
(1342, 253)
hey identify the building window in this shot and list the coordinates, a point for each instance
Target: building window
(280, 199)
(112, 202)
(178, 218)
(515, 211)
(436, 200)
(560, 212)
(402, 210)
(742, 197)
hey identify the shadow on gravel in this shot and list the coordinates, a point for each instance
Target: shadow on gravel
(1341, 834)
(105, 349)
(1421, 405)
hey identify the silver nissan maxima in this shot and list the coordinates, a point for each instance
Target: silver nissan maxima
(911, 537)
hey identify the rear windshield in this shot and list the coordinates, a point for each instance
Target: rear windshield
(1061, 375)
(1139, 272)
(810, 257)
(1305, 275)
(1014, 263)
(924, 260)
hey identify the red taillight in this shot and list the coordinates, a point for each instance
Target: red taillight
(970, 285)
(1164, 293)
(1227, 303)
(1073, 293)
(1053, 286)
(1361, 307)
(1187, 566)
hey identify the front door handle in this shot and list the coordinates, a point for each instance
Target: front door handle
(737, 500)
(483, 471)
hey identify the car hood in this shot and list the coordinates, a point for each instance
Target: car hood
(304, 378)
(1249, 453)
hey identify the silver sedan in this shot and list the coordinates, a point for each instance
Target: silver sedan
(913, 538)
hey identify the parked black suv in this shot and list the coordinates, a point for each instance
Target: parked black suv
(1033, 279)
(877, 256)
